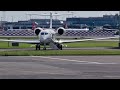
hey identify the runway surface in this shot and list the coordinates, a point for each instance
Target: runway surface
(60, 67)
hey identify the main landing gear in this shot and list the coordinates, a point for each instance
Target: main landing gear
(38, 46)
(44, 48)
(59, 46)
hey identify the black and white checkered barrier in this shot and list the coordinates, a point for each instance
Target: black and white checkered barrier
(68, 33)
(17, 33)
(89, 33)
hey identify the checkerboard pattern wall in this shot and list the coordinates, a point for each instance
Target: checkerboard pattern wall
(17, 33)
(68, 33)
(89, 33)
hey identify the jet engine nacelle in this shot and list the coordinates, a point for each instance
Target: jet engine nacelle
(60, 31)
(37, 31)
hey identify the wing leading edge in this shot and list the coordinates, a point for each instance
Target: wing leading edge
(22, 41)
(94, 39)
(60, 41)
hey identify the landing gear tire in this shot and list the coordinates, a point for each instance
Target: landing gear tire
(37, 46)
(60, 47)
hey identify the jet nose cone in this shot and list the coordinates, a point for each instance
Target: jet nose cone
(44, 38)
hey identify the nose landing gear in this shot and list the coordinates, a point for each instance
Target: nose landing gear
(44, 46)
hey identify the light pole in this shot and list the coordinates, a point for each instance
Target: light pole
(12, 18)
(72, 14)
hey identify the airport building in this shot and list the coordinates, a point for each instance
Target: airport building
(73, 22)
(77, 22)
(43, 23)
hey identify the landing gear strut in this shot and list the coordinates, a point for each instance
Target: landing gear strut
(38, 46)
(44, 48)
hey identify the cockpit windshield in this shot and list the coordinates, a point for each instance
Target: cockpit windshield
(44, 33)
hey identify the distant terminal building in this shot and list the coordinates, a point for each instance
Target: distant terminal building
(78, 22)
(106, 21)
(21, 25)
(2, 25)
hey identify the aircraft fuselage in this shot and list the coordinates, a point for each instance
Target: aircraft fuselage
(46, 36)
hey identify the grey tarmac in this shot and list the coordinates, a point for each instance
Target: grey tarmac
(60, 67)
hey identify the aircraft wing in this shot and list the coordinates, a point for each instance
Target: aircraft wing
(81, 40)
(22, 41)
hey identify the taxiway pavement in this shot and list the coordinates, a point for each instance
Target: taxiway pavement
(59, 67)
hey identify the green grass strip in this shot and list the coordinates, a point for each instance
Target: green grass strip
(59, 52)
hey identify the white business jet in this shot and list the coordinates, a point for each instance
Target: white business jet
(47, 37)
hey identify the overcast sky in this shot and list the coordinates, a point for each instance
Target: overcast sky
(21, 15)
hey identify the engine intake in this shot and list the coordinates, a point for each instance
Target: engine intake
(60, 31)
(38, 30)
